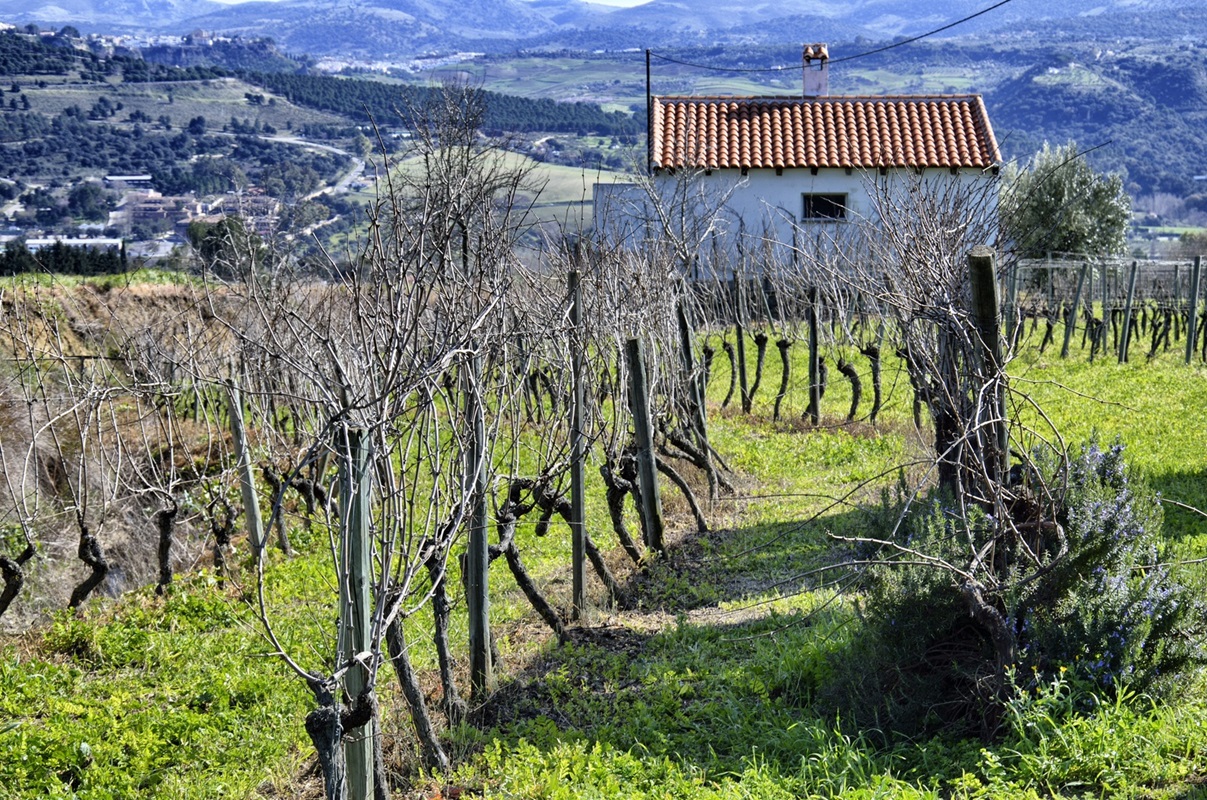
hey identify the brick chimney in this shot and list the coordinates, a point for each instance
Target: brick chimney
(817, 70)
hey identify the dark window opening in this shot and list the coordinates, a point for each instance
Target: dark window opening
(825, 206)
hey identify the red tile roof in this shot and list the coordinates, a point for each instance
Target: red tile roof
(834, 131)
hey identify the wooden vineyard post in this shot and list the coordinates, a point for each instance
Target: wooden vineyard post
(477, 557)
(1127, 313)
(1012, 305)
(647, 466)
(247, 475)
(986, 305)
(740, 325)
(695, 388)
(1192, 327)
(1071, 322)
(356, 609)
(578, 480)
(814, 410)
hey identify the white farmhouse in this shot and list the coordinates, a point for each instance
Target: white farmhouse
(769, 166)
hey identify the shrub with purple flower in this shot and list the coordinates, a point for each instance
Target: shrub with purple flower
(1069, 583)
(1109, 609)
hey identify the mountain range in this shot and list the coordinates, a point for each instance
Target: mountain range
(398, 29)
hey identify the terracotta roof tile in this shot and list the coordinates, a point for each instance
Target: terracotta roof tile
(857, 132)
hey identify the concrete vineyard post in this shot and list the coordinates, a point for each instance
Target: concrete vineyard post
(814, 410)
(247, 476)
(1071, 323)
(1125, 338)
(477, 557)
(695, 389)
(356, 605)
(740, 325)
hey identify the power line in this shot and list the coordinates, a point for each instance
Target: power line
(923, 35)
(919, 37)
(719, 69)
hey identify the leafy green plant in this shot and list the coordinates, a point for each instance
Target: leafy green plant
(72, 636)
(1061, 203)
(1078, 585)
(1110, 610)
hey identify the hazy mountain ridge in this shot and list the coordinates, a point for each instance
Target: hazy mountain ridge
(106, 15)
(1111, 70)
(394, 29)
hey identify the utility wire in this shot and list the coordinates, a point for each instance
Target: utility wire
(835, 60)
(719, 69)
(922, 35)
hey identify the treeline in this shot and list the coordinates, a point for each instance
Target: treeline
(72, 141)
(360, 100)
(136, 70)
(22, 54)
(250, 55)
(62, 259)
(364, 100)
(1143, 115)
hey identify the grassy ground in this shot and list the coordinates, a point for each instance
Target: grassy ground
(621, 85)
(711, 683)
(217, 100)
(715, 686)
(554, 193)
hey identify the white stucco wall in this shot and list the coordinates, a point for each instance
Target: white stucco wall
(760, 204)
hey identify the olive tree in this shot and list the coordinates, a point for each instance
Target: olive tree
(1059, 202)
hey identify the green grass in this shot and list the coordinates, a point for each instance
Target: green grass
(556, 193)
(134, 277)
(1173, 230)
(726, 711)
(151, 698)
(141, 276)
(1151, 406)
(712, 685)
(728, 700)
(217, 100)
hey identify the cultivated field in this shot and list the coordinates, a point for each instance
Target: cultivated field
(710, 680)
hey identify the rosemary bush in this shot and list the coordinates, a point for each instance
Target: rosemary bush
(1076, 579)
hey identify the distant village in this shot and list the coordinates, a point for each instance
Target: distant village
(109, 44)
(148, 224)
(141, 209)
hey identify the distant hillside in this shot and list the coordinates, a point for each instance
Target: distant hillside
(398, 30)
(389, 104)
(380, 29)
(1151, 109)
(254, 55)
(359, 100)
(105, 15)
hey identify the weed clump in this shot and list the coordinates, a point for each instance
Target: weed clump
(963, 610)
